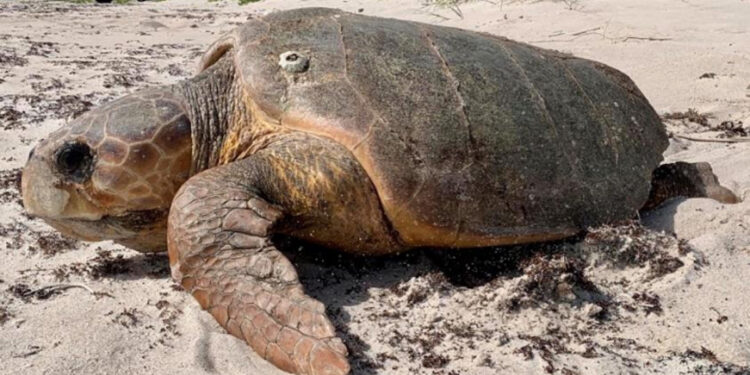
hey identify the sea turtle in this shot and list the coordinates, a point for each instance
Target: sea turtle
(363, 134)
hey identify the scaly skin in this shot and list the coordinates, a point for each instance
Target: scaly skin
(219, 251)
(219, 247)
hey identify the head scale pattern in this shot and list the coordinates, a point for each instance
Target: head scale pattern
(138, 163)
(112, 173)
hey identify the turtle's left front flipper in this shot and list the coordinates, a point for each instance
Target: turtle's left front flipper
(219, 247)
(689, 180)
(219, 250)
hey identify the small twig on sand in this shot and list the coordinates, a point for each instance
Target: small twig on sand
(651, 39)
(453, 5)
(438, 16)
(714, 140)
(48, 290)
(30, 350)
(458, 11)
(601, 31)
(586, 31)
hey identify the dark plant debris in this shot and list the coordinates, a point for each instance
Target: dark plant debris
(650, 303)
(128, 318)
(12, 59)
(702, 354)
(690, 116)
(69, 106)
(106, 264)
(5, 315)
(728, 128)
(43, 49)
(435, 361)
(11, 117)
(25, 293)
(53, 244)
(546, 347)
(122, 80)
(715, 366)
(11, 179)
(633, 245)
(556, 277)
(731, 129)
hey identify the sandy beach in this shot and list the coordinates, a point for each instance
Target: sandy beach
(666, 295)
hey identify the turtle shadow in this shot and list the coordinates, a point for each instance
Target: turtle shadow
(467, 268)
(126, 267)
(339, 279)
(661, 218)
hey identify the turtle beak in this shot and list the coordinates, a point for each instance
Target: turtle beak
(40, 196)
(64, 205)
(47, 196)
(43, 199)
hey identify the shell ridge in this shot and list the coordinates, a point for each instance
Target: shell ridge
(542, 105)
(596, 110)
(454, 83)
(463, 118)
(345, 55)
(379, 118)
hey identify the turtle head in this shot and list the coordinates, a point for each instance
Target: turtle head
(111, 174)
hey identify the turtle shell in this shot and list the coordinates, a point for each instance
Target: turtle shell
(469, 139)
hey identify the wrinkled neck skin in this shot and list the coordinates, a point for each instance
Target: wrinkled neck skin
(211, 100)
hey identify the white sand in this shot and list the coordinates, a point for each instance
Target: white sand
(398, 315)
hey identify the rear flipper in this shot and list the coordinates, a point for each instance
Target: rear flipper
(689, 180)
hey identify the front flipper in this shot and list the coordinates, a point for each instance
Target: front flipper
(689, 180)
(219, 250)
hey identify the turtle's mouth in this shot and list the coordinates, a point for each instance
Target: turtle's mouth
(137, 221)
(142, 230)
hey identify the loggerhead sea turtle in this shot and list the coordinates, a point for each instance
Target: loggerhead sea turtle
(363, 134)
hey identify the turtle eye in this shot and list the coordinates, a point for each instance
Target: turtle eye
(75, 161)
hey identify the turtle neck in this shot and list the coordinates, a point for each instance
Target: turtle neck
(209, 100)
